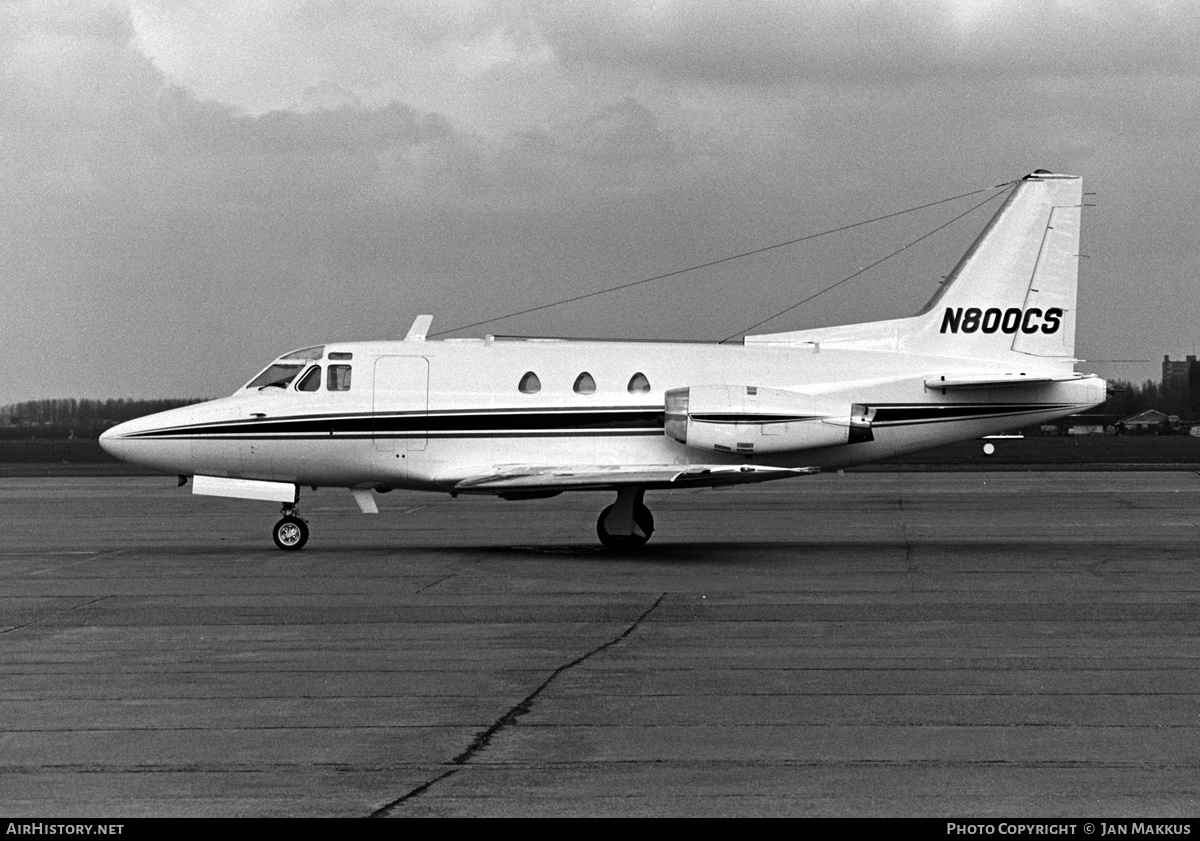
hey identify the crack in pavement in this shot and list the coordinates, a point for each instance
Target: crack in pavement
(52, 614)
(91, 556)
(910, 566)
(425, 587)
(483, 739)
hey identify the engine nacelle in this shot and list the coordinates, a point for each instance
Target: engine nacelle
(748, 420)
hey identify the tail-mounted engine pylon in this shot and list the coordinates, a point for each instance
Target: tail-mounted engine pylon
(748, 420)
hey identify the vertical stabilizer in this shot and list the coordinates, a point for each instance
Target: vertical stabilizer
(1015, 290)
(1010, 299)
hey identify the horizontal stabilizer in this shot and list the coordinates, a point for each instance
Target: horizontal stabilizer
(976, 381)
(543, 478)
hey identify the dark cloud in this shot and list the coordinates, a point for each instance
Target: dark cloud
(873, 43)
(623, 134)
(135, 215)
(86, 114)
(141, 221)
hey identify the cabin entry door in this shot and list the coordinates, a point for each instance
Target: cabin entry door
(399, 412)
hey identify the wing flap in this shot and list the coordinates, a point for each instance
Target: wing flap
(558, 478)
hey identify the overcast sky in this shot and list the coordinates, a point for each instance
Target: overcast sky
(188, 189)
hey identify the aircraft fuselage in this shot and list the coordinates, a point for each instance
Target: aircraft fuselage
(426, 415)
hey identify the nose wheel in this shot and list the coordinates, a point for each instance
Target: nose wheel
(291, 532)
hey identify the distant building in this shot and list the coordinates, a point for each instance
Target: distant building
(1181, 385)
(1151, 422)
(1177, 374)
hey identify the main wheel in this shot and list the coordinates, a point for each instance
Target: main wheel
(290, 533)
(626, 542)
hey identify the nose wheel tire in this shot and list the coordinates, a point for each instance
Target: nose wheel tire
(290, 533)
(626, 542)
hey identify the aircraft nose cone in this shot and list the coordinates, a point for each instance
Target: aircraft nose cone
(112, 442)
(151, 442)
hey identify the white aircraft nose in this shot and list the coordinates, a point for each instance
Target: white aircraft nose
(153, 441)
(124, 442)
(113, 442)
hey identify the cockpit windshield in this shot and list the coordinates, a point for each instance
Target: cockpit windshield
(306, 353)
(279, 374)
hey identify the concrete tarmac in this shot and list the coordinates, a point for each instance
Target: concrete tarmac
(929, 644)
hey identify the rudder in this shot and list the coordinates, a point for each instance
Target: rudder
(1015, 290)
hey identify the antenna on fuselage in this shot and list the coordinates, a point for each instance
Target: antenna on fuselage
(721, 260)
(419, 329)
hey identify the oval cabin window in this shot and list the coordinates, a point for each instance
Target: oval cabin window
(584, 384)
(638, 384)
(530, 384)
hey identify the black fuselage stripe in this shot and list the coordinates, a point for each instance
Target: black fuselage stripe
(434, 423)
(877, 424)
(590, 433)
(507, 423)
(944, 412)
(733, 417)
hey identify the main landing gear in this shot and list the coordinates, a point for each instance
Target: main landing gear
(626, 524)
(291, 532)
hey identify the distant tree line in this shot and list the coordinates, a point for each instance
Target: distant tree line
(1128, 399)
(69, 417)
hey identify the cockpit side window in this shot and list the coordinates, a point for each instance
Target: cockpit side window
(279, 375)
(339, 378)
(311, 381)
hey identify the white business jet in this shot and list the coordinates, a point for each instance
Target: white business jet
(530, 418)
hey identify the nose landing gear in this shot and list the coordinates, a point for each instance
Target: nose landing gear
(291, 532)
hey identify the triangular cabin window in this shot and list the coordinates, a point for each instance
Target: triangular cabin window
(638, 384)
(530, 384)
(584, 384)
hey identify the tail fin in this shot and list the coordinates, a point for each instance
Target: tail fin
(1011, 297)
(1015, 289)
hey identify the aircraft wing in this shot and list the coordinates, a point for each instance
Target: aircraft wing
(533, 479)
(969, 381)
